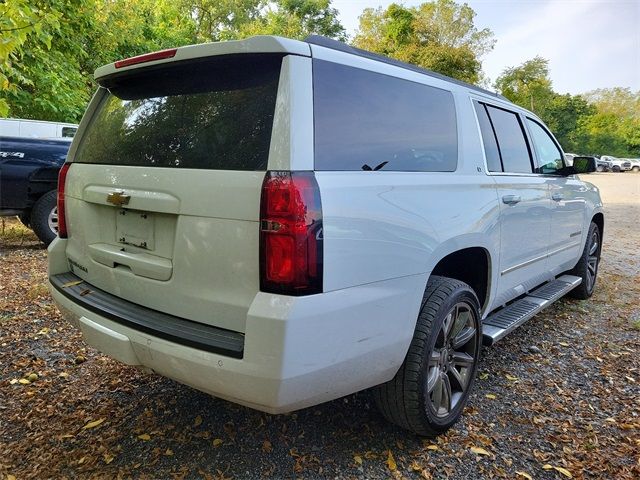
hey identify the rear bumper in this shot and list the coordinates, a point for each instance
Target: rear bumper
(297, 351)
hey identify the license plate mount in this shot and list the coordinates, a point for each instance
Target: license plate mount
(135, 228)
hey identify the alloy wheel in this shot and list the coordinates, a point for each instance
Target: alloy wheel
(52, 220)
(592, 259)
(452, 360)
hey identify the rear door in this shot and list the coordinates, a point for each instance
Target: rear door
(525, 206)
(163, 195)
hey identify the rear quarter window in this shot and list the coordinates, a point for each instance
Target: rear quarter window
(365, 120)
(215, 113)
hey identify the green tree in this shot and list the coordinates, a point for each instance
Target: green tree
(528, 85)
(22, 21)
(297, 19)
(564, 116)
(614, 128)
(438, 35)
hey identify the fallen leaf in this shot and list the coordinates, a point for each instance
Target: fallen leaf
(144, 436)
(93, 424)
(561, 470)
(24, 381)
(357, 459)
(524, 474)
(63, 374)
(198, 421)
(266, 446)
(490, 396)
(13, 381)
(483, 376)
(72, 284)
(10, 477)
(433, 447)
(44, 331)
(511, 377)
(391, 462)
(480, 451)
(108, 458)
(32, 377)
(168, 452)
(564, 344)
(217, 442)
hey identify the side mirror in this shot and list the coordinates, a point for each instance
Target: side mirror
(584, 164)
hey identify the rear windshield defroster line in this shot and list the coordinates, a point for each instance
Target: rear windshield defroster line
(214, 113)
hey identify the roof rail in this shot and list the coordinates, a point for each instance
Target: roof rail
(343, 47)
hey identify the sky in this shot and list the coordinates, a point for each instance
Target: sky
(589, 43)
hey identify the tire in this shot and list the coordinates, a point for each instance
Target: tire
(616, 169)
(44, 217)
(405, 400)
(599, 168)
(25, 218)
(587, 266)
(636, 169)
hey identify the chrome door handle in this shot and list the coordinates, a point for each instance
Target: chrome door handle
(557, 197)
(511, 199)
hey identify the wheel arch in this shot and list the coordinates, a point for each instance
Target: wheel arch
(598, 219)
(470, 260)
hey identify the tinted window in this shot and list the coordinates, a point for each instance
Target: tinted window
(366, 120)
(547, 152)
(69, 131)
(213, 113)
(488, 139)
(511, 140)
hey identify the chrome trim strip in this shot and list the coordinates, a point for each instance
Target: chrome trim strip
(541, 257)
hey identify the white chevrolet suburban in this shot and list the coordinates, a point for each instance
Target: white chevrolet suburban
(281, 223)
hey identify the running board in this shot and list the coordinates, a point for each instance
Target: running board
(504, 321)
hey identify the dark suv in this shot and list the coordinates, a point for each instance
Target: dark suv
(28, 179)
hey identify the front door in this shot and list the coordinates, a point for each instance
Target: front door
(567, 198)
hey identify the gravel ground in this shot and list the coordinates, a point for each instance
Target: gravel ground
(558, 398)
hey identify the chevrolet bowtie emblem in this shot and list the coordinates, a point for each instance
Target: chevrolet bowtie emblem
(118, 198)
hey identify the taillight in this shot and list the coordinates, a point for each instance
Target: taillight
(62, 220)
(147, 57)
(290, 234)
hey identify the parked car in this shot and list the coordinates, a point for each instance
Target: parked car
(601, 165)
(617, 164)
(635, 164)
(28, 180)
(281, 223)
(19, 127)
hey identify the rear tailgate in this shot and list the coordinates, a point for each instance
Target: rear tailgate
(163, 196)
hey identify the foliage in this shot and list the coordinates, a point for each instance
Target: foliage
(22, 21)
(527, 85)
(602, 122)
(297, 19)
(438, 35)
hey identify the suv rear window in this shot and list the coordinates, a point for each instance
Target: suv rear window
(214, 113)
(370, 121)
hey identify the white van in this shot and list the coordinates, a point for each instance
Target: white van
(281, 223)
(18, 127)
